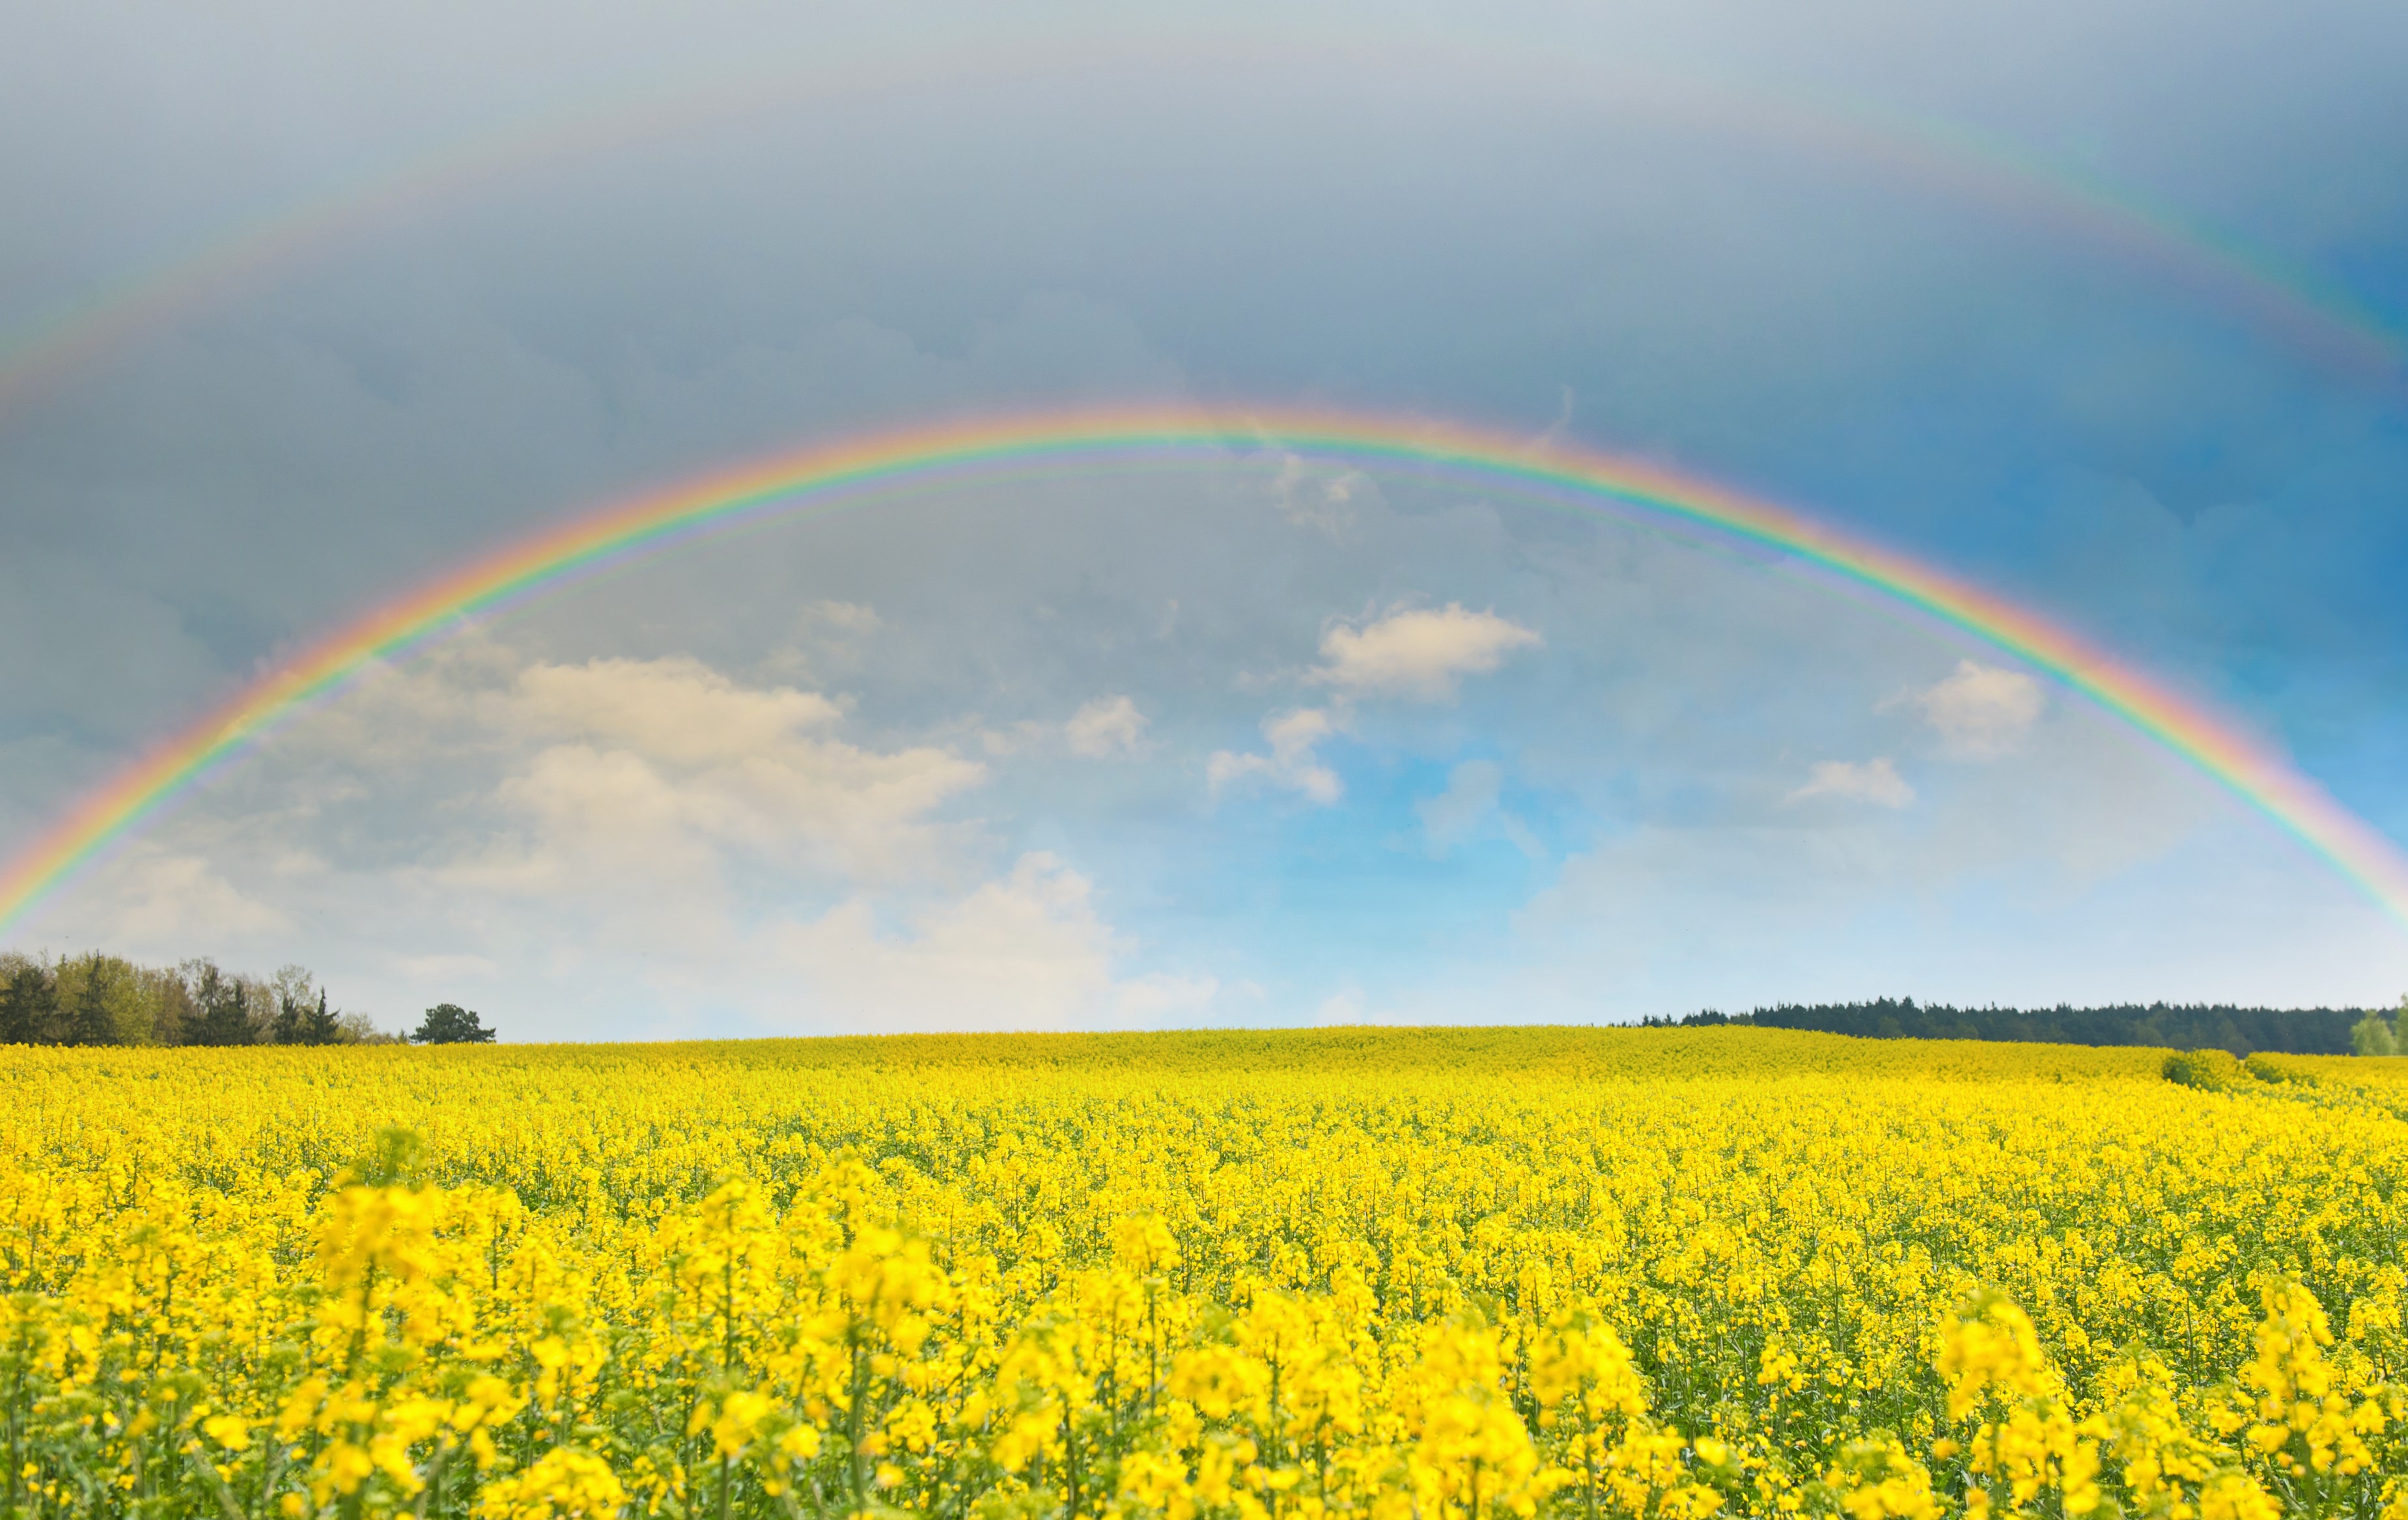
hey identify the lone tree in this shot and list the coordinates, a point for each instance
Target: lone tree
(2376, 1035)
(449, 1024)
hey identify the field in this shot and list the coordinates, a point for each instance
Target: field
(1422, 1274)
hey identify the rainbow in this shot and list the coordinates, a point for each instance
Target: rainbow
(2322, 324)
(1056, 444)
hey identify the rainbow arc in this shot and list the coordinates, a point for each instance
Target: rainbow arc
(861, 472)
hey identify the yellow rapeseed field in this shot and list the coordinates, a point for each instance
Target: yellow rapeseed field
(1411, 1275)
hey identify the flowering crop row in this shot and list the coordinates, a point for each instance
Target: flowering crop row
(1418, 1275)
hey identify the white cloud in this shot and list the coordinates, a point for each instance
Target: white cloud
(1108, 727)
(160, 899)
(1468, 810)
(1981, 711)
(675, 709)
(669, 766)
(1027, 951)
(1868, 781)
(1418, 653)
(1293, 761)
(597, 817)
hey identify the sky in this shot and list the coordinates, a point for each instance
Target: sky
(2095, 307)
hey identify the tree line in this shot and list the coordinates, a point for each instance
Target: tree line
(2244, 1032)
(103, 1000)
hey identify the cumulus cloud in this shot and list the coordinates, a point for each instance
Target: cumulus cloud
(1026, 951)
(1411, 653)
(175, 899)
(658, 769)
(1981, 711)
(1866, 781)
(1417, 653)
(1108, 727)
(675, 709)
(1294, 762)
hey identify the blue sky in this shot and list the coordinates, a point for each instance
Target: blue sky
(1267, 745)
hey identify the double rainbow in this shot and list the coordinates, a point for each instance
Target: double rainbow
(1054, 444)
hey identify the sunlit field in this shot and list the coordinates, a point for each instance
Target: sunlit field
(1421, 1274)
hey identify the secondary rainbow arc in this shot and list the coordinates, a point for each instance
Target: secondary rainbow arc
(2323, 320)
(1094, 439)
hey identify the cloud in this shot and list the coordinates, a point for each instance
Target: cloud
(664, 767)
(842, 618)
(163, 898)
(1108, 727)
(1319, 496)
(1979, 711)
(675, 709)
(1027, 951)
(1869, 781)
(447, 968)
(1293, 761)
(826, 632)
(1417, 654)
(1343, 1006)
(1468, 810)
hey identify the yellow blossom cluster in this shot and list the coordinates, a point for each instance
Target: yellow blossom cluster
(1402, 1275)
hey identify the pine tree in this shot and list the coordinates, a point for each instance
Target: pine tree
(29, 1008)
(321, 1025)
(289, 1012)
(224, 1020)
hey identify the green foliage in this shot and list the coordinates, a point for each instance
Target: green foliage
(2291, 1031)
(91, 1012)
(321, 1025)
(2272, 1069)
(2213, 1070)
(449, 1024)
(29, 1005)
(2377, 1034)
(224, 1014)
(2374, 1036)
(395, 1161)
(103, 1000)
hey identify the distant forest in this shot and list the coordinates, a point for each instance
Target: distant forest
(103, 1000)
(2244, 1032)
